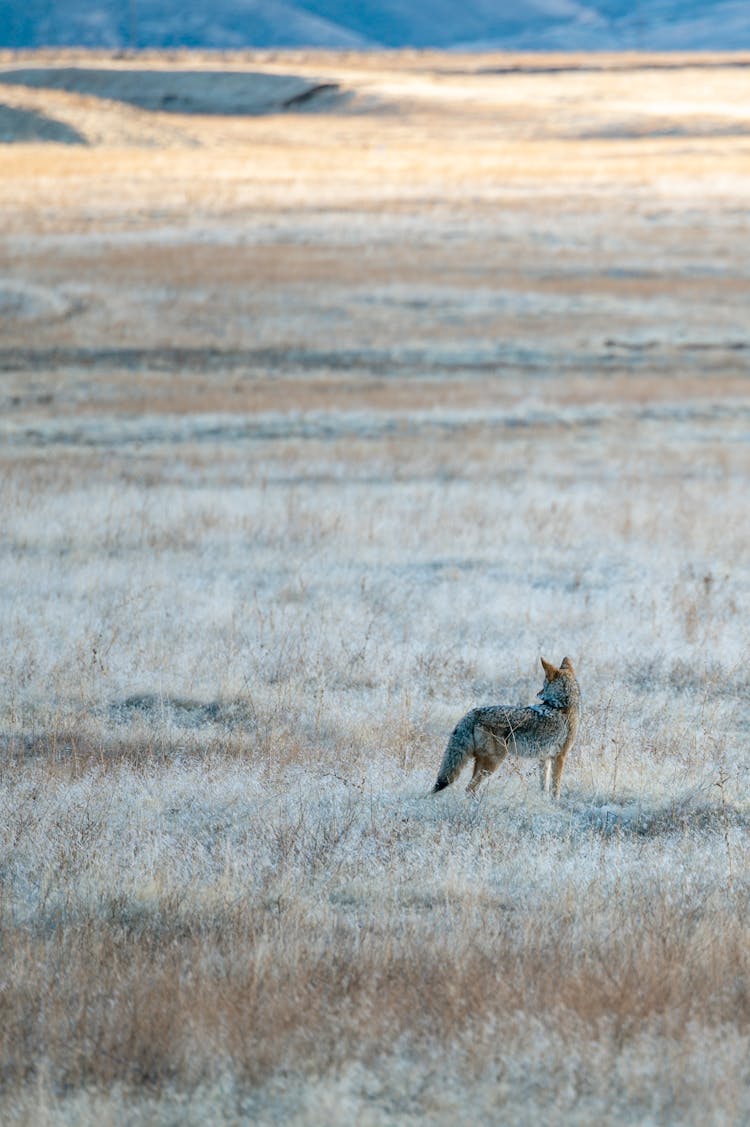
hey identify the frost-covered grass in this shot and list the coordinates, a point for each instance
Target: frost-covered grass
(278, 942)
(225, 893)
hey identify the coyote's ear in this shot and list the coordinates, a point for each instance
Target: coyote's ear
(551, 671)
(566, 663)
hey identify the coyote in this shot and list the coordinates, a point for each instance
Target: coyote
(545, 731)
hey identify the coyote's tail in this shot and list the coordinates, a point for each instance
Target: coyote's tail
(460, 747)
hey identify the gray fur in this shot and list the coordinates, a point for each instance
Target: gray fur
(543, 731)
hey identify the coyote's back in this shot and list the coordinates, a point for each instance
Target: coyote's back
(545, 731)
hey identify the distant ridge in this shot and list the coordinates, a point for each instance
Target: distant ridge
(655, 25)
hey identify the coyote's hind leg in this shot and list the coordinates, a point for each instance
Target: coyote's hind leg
(483, 768)
(486, 765)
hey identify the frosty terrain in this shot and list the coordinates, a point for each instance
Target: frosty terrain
(318, 426)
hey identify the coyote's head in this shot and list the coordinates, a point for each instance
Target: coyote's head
(560, 688)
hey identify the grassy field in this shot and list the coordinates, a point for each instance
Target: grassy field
(320, 421)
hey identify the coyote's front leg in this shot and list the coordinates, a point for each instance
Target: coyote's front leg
(557, 769)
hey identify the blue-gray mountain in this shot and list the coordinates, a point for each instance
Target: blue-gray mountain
(473, 24)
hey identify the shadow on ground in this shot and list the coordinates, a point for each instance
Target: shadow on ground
(18, 125)
(181, 711)
(187, 92)
(685, 813)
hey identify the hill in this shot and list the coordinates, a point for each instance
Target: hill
(475, 24)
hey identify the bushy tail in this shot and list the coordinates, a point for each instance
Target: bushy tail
(460, 747)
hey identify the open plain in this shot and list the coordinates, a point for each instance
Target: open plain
(334, 391)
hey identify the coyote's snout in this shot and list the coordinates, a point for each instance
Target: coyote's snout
(543, 731)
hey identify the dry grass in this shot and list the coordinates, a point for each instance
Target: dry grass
(317, 430)
(254, 925)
